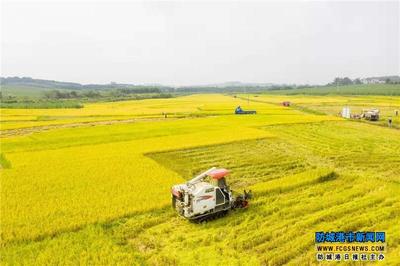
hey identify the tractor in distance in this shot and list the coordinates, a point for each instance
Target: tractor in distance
(240, 111)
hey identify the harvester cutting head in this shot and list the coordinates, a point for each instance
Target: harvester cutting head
(207, 195)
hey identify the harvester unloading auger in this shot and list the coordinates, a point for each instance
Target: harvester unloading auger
(199, 200)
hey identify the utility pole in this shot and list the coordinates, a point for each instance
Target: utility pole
(245, 92)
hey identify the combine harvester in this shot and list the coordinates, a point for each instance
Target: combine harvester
(367, 114)
(199, 200)
(371, 115)
(240, 111)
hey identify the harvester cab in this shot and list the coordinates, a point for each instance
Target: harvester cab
(206, 196)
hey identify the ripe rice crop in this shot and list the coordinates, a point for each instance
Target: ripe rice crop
(332, 105)
(100, 194)
(193, 105)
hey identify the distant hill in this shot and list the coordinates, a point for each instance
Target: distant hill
(232, 84)
(44, 83)
(38, 83)
(19, 82)
(27, 85)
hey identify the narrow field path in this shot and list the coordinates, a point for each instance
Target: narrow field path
(30, 130)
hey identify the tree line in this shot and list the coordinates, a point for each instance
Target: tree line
(338, 81)
(57, 94)
(344, 81)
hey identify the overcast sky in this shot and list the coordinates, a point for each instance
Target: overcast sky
(178, 43)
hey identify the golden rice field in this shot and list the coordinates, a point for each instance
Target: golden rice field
(333, 104)
(98, 194)
(199, 105)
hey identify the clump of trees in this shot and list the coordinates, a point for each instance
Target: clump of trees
(390, 81)
(344, 81)
(56, 94)
(59, 98)
(338, 81)
(132, 91)
(140, 90)
(95, 94)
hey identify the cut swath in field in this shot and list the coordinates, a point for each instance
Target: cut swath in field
(356, 198)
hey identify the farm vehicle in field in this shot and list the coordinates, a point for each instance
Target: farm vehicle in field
(199, 200)
(372, 115)
(240, 111)
(367, 114)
